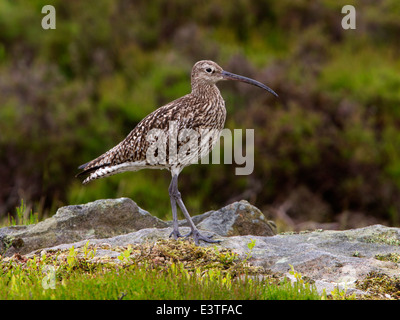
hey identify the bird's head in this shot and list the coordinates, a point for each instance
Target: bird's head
(209, 72)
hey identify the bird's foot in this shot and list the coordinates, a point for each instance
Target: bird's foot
(197, 236)
(176, 234)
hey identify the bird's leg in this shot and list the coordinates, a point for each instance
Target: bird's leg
(194, 231)
(197, 236)
(175, 232)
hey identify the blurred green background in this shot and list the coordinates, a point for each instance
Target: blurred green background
(327, 151)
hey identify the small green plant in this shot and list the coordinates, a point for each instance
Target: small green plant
(124, 256)
(228, 257)
(297, 275)
(301, 283)
(251, 246)
(71, 258)
(88, 254)
(22, 216)
(338, 294)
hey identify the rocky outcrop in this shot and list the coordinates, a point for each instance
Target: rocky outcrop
(107, 218)
(98, 219)
(237, 219)
(329, 258)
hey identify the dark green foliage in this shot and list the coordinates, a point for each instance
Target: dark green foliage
(67, 95)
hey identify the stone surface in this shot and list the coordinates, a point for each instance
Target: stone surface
(237, 219)
(111, 217)
(98, 219)
(330, 258)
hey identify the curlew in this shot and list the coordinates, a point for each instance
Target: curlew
(202, 110)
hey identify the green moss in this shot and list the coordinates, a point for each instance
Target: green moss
(380, 286)
(393, 257)
(389, 237)
(161, 270)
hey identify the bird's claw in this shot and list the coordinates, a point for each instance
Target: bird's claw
(197, 236)
(176, 234)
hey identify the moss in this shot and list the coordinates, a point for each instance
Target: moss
(167, 252)
(389, 237)
(162, 270)
(380, 286)
(8, 241)
(393, 257)
(159, 256)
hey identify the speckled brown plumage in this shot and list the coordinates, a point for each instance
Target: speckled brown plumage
(201, 110)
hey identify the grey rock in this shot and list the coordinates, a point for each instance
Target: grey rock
(148, 235)
(98, 219)
(330, 258)
(107, 218)
(237, 219)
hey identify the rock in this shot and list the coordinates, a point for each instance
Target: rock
(107, 218)
(237, 219)
(329, 258)
(98, 219)
(141, 236)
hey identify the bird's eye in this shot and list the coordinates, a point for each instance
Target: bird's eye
(209, 70)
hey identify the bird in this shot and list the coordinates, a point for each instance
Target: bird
(201, 110)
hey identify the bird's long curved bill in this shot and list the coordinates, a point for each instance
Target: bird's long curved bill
(231, 76)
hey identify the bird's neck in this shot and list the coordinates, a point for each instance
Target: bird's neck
(206, 90)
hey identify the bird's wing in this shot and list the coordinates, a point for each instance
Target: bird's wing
(133, 148)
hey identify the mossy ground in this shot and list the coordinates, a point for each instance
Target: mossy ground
(164, 270)
(380, 286)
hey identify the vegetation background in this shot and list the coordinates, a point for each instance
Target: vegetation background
(327, 152)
